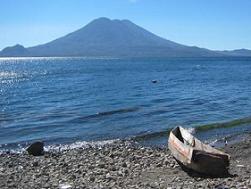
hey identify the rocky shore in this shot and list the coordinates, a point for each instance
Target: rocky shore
(122, 164)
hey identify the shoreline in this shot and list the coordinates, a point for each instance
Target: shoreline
(234, 131)
(49, 148)
(122, 164)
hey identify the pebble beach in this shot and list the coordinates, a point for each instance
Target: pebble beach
(122, 164)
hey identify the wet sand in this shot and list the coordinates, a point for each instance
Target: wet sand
(120, 165)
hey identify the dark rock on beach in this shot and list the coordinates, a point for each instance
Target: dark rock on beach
(122, 164)
(36, 149)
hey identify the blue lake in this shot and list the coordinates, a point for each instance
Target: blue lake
(64, 100)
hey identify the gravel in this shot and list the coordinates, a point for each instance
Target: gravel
(122, 164)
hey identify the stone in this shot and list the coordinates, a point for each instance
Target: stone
(35, 164)
(36, 149)
(108, 176)
(92, 179)
(124, 164)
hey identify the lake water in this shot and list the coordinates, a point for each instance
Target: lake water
(68, 100)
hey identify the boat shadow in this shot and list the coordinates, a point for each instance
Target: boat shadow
(196, 174)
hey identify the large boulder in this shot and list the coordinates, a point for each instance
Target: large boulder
(36, 149)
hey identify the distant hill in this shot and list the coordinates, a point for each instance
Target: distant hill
(17, 50)
(237, 52)
(113, 38)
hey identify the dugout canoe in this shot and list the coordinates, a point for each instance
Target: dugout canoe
(193, 154)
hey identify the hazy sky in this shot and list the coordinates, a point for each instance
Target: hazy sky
(213, 24)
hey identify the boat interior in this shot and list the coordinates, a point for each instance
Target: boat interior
(188, 139)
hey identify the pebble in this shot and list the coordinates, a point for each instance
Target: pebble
(119, 165)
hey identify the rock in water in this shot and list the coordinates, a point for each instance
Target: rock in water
(36, 149)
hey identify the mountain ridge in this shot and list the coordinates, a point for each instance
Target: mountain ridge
(104, 37)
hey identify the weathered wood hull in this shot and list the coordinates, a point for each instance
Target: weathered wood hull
(195, 155)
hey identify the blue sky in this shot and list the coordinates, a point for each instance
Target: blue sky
(213, 24)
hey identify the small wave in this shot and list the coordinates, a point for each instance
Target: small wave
(228, 139)
(228, 124)
(108, 113)
(194, 130)
(198, 66)
(119, 111)
(156, 112)
(61, 147)
(152, 135)
(159, 134)
(80, 144)
(159, 100)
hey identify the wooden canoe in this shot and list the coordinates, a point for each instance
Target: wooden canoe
(195, 155)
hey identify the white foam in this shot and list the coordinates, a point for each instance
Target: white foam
(12, 151)
(80, 144)
(191, 130)
(62, 147)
